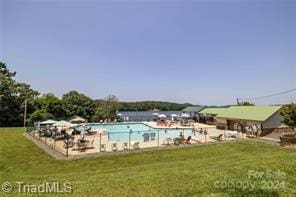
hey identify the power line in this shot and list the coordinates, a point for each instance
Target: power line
(267, 96)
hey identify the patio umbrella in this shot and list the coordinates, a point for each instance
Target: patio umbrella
(63, 123)
(78, 120)
(184, 115)
(173, 116)
(49, 121)
(162, 116)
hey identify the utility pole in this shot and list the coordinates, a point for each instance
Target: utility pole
(25, 113)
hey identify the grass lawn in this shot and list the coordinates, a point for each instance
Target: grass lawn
(192, 171)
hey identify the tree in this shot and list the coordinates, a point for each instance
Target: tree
(246, 103)
(12, 98)
(51, 104)
(41, 115)
(99, 114)
(78, 104)
(111, 106)
(151, 105)
(289, 114)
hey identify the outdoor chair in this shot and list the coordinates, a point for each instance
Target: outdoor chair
(103, 147)
(114, 147)
(46, 133)
(218, 138)
(125, 146)
(75, 131)
(136, 146)
(187, 141)
(82, 144)
(178, 140)
(91, 144)
(167, 141)
(90, 132)
(68, 143)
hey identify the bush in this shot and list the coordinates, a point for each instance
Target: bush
(290, 135)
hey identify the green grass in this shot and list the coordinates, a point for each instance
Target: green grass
(190, 171)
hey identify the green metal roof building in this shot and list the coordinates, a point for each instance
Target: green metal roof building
(193, 109)
(212, 110)
(265, 117)
(255, 113)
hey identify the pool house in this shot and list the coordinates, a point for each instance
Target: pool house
(207, 115)
(266, 119)
(193, 111)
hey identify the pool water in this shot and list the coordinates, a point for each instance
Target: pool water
(138, 132)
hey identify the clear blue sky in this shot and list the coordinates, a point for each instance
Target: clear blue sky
(203, 52)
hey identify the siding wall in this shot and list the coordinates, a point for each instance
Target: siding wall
(274, 122)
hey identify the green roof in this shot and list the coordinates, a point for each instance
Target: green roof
(193, 108)
(212, 110)
(255, 113)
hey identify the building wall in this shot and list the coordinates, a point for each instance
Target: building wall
(274, 122)
(221, 123)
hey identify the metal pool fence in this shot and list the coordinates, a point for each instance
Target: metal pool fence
(104, 142)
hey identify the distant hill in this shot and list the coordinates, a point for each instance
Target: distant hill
(149, 105)
(154, 105)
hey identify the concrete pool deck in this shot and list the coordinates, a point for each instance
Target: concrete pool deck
(179, 126)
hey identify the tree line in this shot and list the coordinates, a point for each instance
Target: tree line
(151, 105)
(15, 96)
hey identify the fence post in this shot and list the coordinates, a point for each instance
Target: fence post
(100, 142)
(158, 138)
(129, 141)
(224, 135)
(67, 150)
(205, 137)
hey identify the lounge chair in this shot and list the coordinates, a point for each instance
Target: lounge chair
(232, 134)
(187, 141)
(136, 146)
(125, 146)
(90, 132)
(103, 148)
(75, 131)
(114, 147)
(218, 138)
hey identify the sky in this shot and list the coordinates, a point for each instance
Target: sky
(202, 52)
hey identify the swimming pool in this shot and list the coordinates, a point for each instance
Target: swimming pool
(122, 132)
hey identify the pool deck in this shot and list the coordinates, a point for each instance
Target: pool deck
(179, 126)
